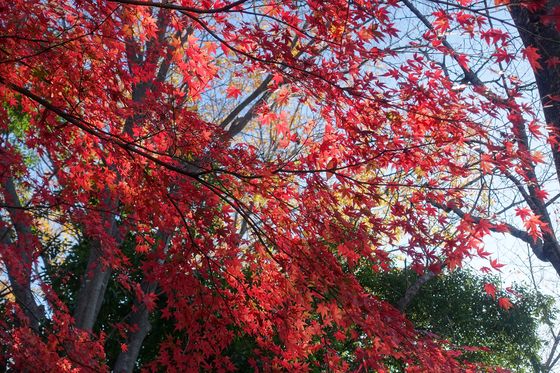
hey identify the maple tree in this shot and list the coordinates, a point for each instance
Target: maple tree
(518, 165)
(228, 164)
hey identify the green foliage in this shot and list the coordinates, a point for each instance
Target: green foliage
(18, 125)
(19, 121)
(65, 279)
(455, 307)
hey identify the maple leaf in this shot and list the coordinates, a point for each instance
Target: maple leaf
(494, 263)
(211, 47)
(486, 164)
(541, 194)
(484, 226)
(441, 23)
(492, 36)
(534, 226)
(324, 311)
(552, 62)
(277, 79)
(490, 289)
(233, 91)
(532, 55)
(340, 336)
(463, 60)
(481, 252)
(485, 270)
(502, 228)
(283, 96)
(502, 54)
(523, 212)
(505, 303)
(149, 300)
(534, 128)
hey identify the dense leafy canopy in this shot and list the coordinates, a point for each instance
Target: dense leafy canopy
(454, 306)
(226, 166)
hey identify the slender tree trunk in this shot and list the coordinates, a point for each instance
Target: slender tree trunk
(19, 267)
(92, 290)
(97, 276)
(140, 323)
(139, 320)
(413, 290)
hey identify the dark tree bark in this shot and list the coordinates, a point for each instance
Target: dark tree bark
(536, 32)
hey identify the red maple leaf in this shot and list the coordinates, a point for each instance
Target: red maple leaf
(502, 228)
(532, 55)
(494, 263)
(484, 226)
(552, 61)
(534, 226)
(502, 54)
(505, 303)
(541, 193)
(534, 128)
(233, 91)
(490, 289)
(523, 212)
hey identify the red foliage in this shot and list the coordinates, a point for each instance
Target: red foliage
(127, 115)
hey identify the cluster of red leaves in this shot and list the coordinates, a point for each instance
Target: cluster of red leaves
(115, 96)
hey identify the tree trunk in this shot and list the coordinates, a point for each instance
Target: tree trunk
(546, 39)
(139, 320)
(413, 290)
(92, 290)
(19, 267)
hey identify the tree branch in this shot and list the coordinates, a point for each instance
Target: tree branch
(189, 9)
(413, 290)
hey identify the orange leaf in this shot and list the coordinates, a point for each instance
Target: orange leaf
(534, 224)
(532, 55)
(490, 289)
(505, 303)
